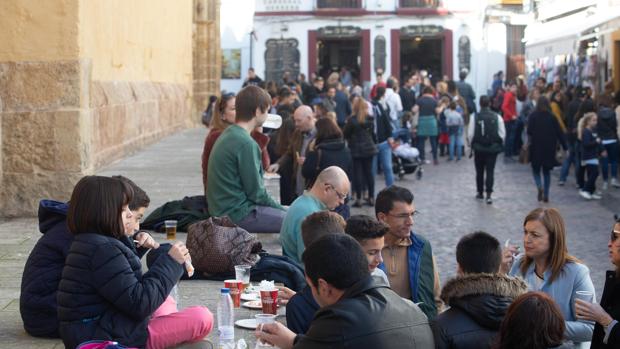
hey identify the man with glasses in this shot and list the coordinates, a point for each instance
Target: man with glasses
(408, 258)
(329, 191)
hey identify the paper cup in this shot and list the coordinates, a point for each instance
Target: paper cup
(269, 300)
(236, 287)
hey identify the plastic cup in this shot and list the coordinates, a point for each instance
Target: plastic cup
(171, 229)
(262, 319)
(269, 300)
(242, 272)
(585, 295)
(235, 287)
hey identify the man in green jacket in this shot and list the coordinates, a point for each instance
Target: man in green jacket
(236, 187)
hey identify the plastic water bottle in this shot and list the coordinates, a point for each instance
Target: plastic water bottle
(226, 320)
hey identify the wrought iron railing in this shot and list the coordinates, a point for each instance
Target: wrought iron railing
(420, 3)
(324, 4)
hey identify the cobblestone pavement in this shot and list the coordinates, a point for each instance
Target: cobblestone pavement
(170, 169)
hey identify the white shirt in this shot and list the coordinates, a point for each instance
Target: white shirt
(392, 99)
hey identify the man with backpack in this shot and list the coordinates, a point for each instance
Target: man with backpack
(486, 135)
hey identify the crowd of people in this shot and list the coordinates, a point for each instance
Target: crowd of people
(372, 281)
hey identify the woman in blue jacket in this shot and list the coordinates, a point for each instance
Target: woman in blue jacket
(546, 266)
(103, 294)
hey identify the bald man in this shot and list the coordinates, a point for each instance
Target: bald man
(293, 159)
(329, 190)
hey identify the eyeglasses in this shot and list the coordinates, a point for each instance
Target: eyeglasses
(405, 215)
(614, 235)
(340, 195)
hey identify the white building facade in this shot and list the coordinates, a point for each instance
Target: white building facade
(393, 36)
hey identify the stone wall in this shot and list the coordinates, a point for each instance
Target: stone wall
(43, 147)
(106, 81)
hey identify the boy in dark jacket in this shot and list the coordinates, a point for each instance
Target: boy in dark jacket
(479, 296)
(43, 269)
(301, 307)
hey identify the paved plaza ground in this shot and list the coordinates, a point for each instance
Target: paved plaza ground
(170, 170)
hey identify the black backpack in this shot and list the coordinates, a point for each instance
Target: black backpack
(486, 136)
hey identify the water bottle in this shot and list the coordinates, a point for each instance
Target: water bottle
(226, 320)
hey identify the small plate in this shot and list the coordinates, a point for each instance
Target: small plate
(250, 296)
(257, 304)
(249, 324)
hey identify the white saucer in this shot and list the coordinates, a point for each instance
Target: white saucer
(250, 296)
(249, 324)
(257, 304)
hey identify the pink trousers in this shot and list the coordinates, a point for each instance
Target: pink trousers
(169, 327)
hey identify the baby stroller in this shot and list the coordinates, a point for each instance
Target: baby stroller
(406, 160)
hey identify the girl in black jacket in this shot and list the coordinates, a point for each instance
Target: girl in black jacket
(103, 294)
(359, 132)
(590, 149)
(606, 330)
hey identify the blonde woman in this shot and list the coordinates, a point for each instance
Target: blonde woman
(359, 133)
(546, 266)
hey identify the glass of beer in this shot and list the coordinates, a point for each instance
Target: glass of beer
(242, 272)
(171, 229)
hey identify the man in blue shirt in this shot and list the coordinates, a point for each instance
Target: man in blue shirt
(329, 191)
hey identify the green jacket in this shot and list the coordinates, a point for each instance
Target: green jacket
(235, 175)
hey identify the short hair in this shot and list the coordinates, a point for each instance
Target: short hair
(546, 332)
(479, 252)
(140, 198)
(319, 224)
(484, 101)
(284, 92)
(388, 196)
(543, 105)
(326, 129)
(336, 258)
(391, 83)
(428, 90)
(251, 69)
(96, 206)
(248, 100)
(379, 92)
(362, 228)
(463, 74)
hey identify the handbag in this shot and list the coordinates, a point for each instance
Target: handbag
(524, 154)
(217, 245)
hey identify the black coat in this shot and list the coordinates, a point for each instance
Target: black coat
(103, 294)
(368, 315)
(610, 301)
(384, 125)
(360, 137)
(544, 133)
(478, 303)
(37, 301)
(329, 153)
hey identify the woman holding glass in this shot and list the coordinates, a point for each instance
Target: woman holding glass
(546, 266)
(606, 330)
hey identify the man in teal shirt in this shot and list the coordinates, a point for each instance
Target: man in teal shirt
(329, 191)
(236, 187)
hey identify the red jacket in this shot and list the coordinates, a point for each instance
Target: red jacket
(509, 106)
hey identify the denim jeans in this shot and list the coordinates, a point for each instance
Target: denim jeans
(422, 141)
(510, 137)
(456, 141)
(546, 177)
(570, 160)
(610, 161)
(384, 157)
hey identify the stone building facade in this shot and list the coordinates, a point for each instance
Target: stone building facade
(84, 83)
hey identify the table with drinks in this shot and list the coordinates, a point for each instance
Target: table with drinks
(250, 305)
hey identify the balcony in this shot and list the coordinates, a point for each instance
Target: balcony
(420, 4)
(338, 4)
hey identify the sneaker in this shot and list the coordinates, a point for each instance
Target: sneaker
(561, 183)
(596, 197)
(614, 183)
(584, 194)
(489, 200)
(479, 196)
(605, 185)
